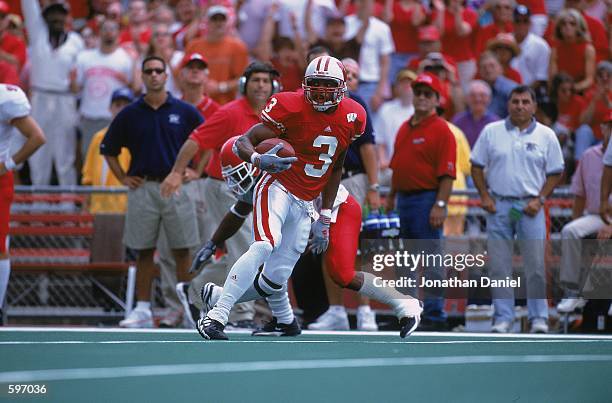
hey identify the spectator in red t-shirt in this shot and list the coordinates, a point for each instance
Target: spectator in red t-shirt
(599, 99)
(596, 28)
(404, 18)
(572, 52)
(457, 25)
(138, 33)
(505, 48)
(12, 48)
(502, 22)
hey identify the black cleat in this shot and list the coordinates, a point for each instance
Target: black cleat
(408, 324)
(190, 311)
(211, 329)
(273, 328)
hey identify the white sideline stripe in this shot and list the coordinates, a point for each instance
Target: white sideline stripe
(252, 366)
(277, 340)
(314, 332)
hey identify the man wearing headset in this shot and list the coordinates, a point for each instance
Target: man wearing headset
(258, 82)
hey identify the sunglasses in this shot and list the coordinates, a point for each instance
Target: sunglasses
(151, 71)
(567, 22)
(425, 93)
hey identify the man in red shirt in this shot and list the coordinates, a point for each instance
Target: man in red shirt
(230, 120)
(12, 48)
(423, 165)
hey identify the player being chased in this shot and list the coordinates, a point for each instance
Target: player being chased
(319, 124)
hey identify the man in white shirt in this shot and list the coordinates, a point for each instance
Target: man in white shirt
(391, 115)
(375, 55)
(53, 52)
(533, 60)
(14, 114)
(99, 72)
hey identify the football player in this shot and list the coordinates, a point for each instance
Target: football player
(14, 114)
(319, 124)
(339, 257)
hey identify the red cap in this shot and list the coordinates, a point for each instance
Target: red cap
(4, 7)
(190, 57)
(429, 33)
(608, 116)
(429, 80)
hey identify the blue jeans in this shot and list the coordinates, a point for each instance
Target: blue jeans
(530, 233)
(366, 91)
(414, 210)
(584, 139)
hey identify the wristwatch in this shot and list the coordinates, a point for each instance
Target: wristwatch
(441, 203)
(542, 199)
(374, 187)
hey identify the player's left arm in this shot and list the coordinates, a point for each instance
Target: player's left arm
(28, 127)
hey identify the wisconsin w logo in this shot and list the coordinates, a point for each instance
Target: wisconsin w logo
(351, 117)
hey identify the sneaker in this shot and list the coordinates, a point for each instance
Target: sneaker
(242, 324)
(210, 293)
(211, 329)
(366, 319)
(273, 328)
(191, 313)
(568, 305)
(138, 318)
(331, 320)
(501, 327)
(539, 326)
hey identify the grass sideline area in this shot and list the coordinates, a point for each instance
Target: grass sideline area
(116, 365)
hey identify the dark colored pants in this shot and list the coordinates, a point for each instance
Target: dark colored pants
(414, 212)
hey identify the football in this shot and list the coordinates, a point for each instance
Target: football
(286, 151)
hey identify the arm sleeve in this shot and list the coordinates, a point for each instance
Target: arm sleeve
(277, 113)
(577, 186)
(386, 40)
(480, 152)
(447, 162)
(33, 20)
(396, 146)
(364, 131)
(16, 106)
(554, 155)
(542, 62)
(114, 138)
(211, 134)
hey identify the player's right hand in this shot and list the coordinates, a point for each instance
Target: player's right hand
(203, 256)
(488, 204)
(272, 163)
(171, 184)
(132, 182)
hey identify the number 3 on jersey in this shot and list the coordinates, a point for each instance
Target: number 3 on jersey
(324, 157)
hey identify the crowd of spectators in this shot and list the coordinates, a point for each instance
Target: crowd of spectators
(80, 62)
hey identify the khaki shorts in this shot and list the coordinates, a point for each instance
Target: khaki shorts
(147, 210)
(357, 186)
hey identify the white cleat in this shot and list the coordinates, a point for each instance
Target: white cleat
(501, 327)
(337, 320)
(539, 326)
(138, 319)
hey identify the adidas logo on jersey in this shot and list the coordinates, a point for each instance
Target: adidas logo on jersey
(327, 129)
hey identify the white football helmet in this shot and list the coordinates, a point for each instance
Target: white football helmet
(324, 83)
(239, 175)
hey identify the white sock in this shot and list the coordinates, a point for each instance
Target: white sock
(364, 309)
(143, 305)
(280, 307)
(239, 282)
(402, 305)
(5, 273)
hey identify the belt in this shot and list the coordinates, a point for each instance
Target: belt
(53, 92)
(153, 178)
(416, 192)
(500, 197)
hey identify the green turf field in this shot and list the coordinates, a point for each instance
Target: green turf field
(81, 365)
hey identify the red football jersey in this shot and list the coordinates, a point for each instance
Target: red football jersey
(317, 138)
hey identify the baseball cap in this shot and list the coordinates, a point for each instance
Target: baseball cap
(4, 7)
(405, 74)
(216, 10)
(193, 56)
(57, 5)
(429, 33)
(521, 11)
(122, 93)
(428, 80)
(504, 40)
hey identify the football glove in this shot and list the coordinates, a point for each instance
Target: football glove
(272, 163)
(320, 233)
(203, 256)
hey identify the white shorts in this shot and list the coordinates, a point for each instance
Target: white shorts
(284, 221)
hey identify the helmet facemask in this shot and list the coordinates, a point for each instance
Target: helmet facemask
(323, 92)
(241, 178)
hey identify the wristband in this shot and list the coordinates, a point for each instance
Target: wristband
(325, 216)
(254, 157)
(9, 164)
